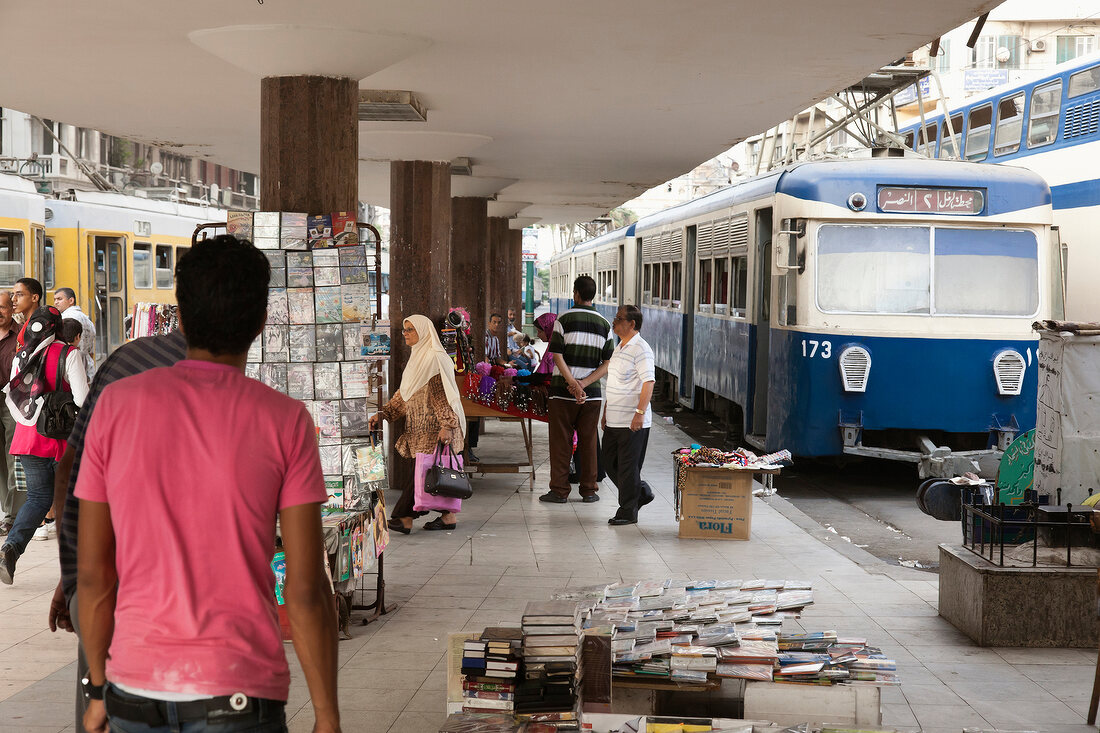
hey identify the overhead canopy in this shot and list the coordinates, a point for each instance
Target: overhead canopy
(571, 107)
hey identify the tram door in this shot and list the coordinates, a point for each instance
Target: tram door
(687, 340)
(762, 320)
(110, 293)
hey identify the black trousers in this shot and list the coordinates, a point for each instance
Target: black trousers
(623, 456)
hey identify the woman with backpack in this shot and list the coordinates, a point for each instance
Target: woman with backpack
(46, 386)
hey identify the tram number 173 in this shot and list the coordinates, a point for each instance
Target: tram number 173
(819, 349)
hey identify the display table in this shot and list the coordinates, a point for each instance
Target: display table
(483, 412)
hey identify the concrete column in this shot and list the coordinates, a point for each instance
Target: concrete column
(497, 267)
(515, 272)
(309, 144)
(420, 266)
(469, 257)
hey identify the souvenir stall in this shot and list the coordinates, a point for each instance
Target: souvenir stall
(325, 343)
(153, 319)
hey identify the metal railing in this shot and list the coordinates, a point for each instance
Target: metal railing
(987, 528)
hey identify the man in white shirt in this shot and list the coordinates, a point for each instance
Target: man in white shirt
(64, 299)
(627, 415)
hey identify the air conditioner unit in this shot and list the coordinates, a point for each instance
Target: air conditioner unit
(1038, 46)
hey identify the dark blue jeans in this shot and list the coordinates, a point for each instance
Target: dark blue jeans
(39, 473)
(267, 719)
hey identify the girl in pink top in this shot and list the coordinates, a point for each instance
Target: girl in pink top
(34, 373)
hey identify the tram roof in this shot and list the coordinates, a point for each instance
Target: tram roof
(572, 106)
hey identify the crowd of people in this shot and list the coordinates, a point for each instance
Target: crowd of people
(177, 624)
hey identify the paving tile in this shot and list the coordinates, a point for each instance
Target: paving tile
(946, 715)
(1012, 713)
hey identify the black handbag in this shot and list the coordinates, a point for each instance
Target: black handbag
(57, 417)
(447, 480)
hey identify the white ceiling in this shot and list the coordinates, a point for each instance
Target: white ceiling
(571, 106)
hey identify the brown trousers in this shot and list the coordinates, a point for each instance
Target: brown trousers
(567, 416)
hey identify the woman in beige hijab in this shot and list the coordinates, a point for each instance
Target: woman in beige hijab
(429, 400)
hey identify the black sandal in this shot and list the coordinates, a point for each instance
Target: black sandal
(438, 524)
(395, 525)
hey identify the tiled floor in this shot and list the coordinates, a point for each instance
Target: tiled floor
(510, 548)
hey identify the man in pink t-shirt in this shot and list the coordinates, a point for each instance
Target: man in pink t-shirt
(184, 473)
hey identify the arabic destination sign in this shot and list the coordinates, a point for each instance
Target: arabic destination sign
(909, 200)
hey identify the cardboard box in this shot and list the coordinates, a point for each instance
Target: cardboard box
(716, 504)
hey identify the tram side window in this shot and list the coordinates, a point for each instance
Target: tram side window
(164, 266)
(143, 265)
(873, 269)
(1008, 261)
(977, 132)
(909, 138)
(647, 282)
(722, 286)
(180, 252)
(706, 282)
(1046, 104)
(11, 258)
(666, 283)
(740, 286)
(1010, 125)
(949, 146)
(1084, 82)
(677, 282)
(928, 135)
(49, 266)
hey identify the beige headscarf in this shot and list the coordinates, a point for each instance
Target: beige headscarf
(427, 360)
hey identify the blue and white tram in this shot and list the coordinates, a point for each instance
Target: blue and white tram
(1050, 125)
(876, 307)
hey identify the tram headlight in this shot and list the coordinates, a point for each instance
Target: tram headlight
(857, 201)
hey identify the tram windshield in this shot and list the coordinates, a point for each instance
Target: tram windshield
(927, 270)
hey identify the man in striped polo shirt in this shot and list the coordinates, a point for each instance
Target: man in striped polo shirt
(581, 344)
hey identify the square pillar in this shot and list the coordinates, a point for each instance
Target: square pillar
(469, 260)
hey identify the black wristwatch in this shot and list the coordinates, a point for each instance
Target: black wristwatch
(91, 692)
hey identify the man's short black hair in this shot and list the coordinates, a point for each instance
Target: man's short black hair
(70, 330)
(70, 294)
(221, 288)
(585, 287)
(495, 315)
(633, 314)
(32, 285)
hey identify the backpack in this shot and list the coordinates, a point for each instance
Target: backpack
(58, 415)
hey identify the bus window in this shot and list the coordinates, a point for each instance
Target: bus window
(49, 266)
(977, 133)
(740, 286)
(949, 146)
(677, 276)
(721, 286)
(143, 265)
(1084, 82)
(164, 266)
(1010, 125)
(928, 140)
(706, 277)
(1046, 104)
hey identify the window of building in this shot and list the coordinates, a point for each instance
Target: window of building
(1046, 104)
(1084, 82)
(1010, 125)
(927, 138)
(740, 286)
(164, 266)
(977, 132)
(722, 286)
(677, 282)
(706, 285)
(49, 266)
(949, 146)
(143, 265)
(1012, 45)
(943, 60)
(1070, 47)
(11, 258)
(984, 53)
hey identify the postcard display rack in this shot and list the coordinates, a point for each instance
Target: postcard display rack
(326, 343)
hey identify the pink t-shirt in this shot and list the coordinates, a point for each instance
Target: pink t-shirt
(195, 461)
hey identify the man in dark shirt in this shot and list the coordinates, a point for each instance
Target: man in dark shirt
(128, 360)
(10, 499)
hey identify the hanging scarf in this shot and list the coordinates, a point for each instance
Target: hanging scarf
(29, 384)
(429, 359)
(545, 323)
